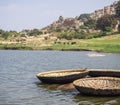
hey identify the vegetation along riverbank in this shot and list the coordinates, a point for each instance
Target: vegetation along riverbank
(97, 31)
(109, 43)
(104, 44)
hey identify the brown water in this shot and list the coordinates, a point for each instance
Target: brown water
(19, 85)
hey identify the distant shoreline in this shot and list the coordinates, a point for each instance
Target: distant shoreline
(110, 44)
(49, 49)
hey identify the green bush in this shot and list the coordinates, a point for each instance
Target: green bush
(106, 21)
(100, 34)
(119, 28)
(73, 35)
(108, 29)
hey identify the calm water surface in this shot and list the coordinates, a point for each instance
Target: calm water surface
(19, 85)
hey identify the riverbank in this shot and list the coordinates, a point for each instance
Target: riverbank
(105, 44)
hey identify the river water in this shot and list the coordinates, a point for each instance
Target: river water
(19, 85)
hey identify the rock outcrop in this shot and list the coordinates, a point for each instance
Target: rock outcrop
(75, 23)
(107, 10)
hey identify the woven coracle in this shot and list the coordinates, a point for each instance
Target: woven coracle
(100, 86)
(62, 76)
(104, 72)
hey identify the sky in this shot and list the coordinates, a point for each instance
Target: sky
(29, 14)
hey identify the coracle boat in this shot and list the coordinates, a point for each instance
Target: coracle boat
(104, 72)
(100, 86)
(62, 76)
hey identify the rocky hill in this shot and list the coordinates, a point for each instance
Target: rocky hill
(99, 23)
(107, 10)
(77, 23)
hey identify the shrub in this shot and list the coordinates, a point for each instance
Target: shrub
(119, 28)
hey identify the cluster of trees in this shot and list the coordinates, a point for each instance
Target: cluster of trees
(118, 10)
(8, 34)
(73, 35)
(84, 17)
(33, 32)
(118, 13)
(80, 35)
(69, 31)
(106, 24)
(13, 34)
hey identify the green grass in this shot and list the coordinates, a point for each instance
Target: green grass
(16, 46)
(97, 44)
(88, 47)
(105, 44)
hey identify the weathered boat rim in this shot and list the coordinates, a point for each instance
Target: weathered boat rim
(46, 74)
(62, 76)
(75, 83)
(104, 70)
(104, 73)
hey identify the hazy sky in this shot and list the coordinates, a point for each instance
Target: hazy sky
(28, 14)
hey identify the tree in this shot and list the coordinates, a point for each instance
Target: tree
(118, 9)
(13, 34)
(61, 18)
(1, 32)
(35, 32)
(84, 16)
(90, 23)
(106, 21)
(5, 35)
(119, 28)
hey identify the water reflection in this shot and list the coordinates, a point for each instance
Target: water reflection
(62, 93)
(75, 96)
(68, 86)
(96, 100)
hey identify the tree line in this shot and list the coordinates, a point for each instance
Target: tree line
(105, 25)
(6, 35)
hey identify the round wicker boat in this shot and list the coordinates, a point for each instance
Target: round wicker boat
(62, 76)
(104, 72)
(101, 86)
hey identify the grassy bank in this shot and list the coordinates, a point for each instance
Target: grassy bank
(15, 46)
(105, 44)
